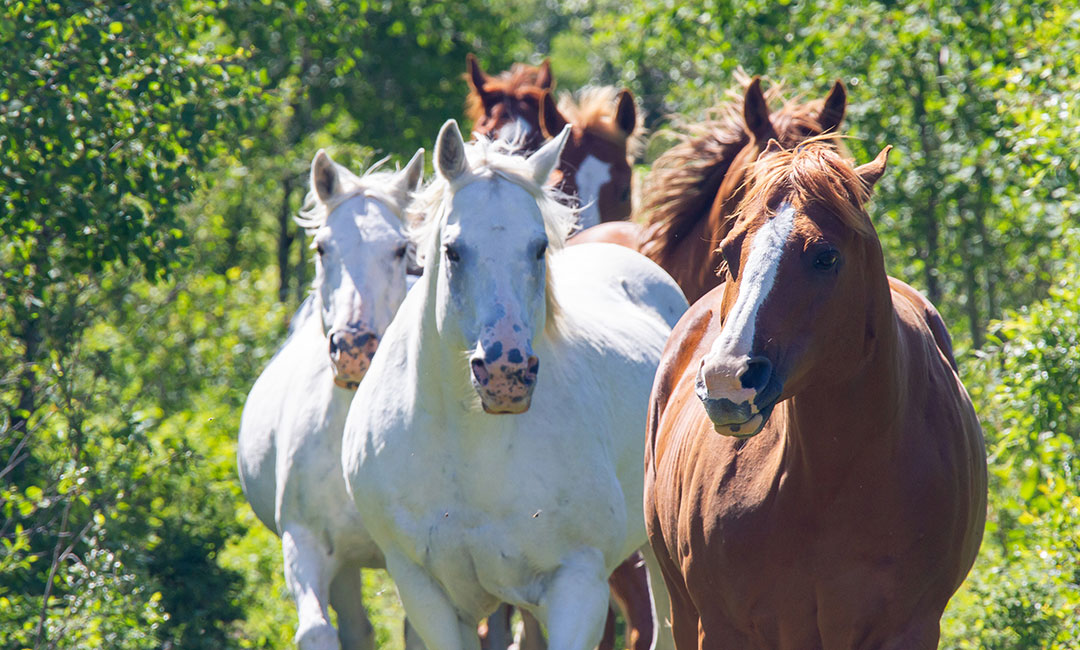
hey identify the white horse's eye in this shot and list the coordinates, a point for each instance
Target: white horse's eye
(541, 250)
(401, 250)
(452, 253)
(320, 249)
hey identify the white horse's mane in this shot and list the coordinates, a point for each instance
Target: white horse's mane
(373, 183)
(487, 159)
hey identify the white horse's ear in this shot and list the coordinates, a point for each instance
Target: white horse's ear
(413, 174)
(546, 157)
(450, 151)
(324, 175)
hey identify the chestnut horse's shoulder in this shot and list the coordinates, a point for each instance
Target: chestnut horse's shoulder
(928, 314)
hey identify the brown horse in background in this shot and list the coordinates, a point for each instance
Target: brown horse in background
(815, 472)
(597, 162)
(508, 105)
(694, 186)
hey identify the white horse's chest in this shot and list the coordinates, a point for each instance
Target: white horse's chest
(491, 519)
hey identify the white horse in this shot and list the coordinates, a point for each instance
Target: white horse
(483, 478)
(289, 451)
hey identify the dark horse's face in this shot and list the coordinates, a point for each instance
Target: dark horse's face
(509, 104)
(795, 304)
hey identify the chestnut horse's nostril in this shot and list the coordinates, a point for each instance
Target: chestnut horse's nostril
(757, 374)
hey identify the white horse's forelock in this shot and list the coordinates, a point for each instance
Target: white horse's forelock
(372, 183)
(487, 159)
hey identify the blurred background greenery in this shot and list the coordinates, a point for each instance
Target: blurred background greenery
(152, 155)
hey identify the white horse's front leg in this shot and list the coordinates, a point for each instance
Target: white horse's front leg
(428, 609)
(575, 604)
(662, 637)
(307, 572)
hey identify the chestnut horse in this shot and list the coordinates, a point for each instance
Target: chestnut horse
(815, 471)
(694, 186)
(597, 163)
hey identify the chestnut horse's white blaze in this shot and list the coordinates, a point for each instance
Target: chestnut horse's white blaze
(723, 367)
(289, 449)
(511, 391)
(591, 176)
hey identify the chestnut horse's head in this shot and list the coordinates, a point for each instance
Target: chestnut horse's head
(596, 163)
(803, 266)
(507, 106)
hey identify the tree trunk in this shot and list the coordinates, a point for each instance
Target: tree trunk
(285, 238)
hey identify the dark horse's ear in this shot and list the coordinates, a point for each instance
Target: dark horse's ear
(476, 75)
(832, 113)
(543, 78)
(552, 121)
(626, 113)
(756, 111)
(873, 170)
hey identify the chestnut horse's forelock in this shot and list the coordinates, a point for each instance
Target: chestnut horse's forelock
(683, 184)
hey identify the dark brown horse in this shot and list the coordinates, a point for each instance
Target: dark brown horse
(694, 186)
(815, 473)
(508, 105)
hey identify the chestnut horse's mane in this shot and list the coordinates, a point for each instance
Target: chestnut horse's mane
(682, 186)
(813, 173)
(593, 109)
(520, 78)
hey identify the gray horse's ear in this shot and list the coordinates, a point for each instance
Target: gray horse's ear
(872, 171)
(323, 175)
(450, 151)
(413, 173)
(546, 157)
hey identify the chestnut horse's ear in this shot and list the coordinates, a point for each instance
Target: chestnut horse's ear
(756, 111)
(771, 148)
(551, 120)
(543, 79)
(450, 159)
(546, 158)
(873, 170)
(476, 76)
(626, 113)
(832, 113)
(323, 175)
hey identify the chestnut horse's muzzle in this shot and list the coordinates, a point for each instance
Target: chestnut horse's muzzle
(755, 387)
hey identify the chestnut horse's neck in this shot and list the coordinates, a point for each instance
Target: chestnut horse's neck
(832, 424)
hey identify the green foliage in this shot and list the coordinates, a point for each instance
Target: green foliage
(1025, 589)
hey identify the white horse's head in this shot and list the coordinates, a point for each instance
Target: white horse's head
(357, 230)
(489, 227)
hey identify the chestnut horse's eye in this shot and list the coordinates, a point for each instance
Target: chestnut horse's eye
(452, 254)
(625, 196)
(826, 260)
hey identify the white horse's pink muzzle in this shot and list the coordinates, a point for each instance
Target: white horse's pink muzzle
(351, 351)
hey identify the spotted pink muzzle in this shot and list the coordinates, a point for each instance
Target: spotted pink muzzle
(504, 376)
(351, 351)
